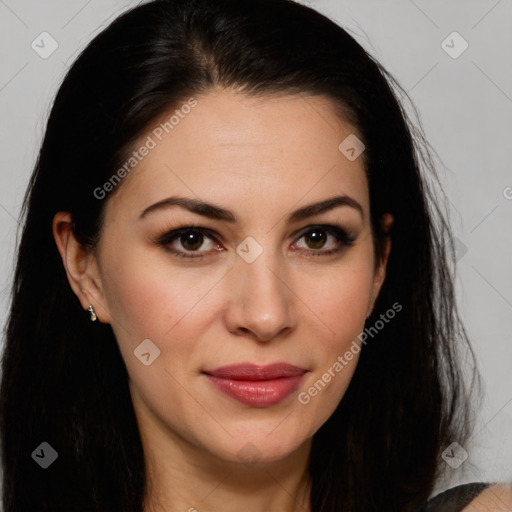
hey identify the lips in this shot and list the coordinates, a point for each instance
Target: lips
(256, 386)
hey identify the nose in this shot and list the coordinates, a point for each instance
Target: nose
(261, 303)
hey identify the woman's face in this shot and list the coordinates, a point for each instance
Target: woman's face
(272, 275)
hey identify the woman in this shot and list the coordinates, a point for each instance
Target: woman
(233, 195)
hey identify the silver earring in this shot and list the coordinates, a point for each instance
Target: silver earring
(92, 313)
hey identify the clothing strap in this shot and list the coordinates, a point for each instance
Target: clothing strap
(454, 499)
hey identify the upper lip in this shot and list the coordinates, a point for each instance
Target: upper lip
(250, 371)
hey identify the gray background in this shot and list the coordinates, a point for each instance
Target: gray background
(465, 105)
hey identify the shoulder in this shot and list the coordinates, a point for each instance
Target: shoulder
(496, 498)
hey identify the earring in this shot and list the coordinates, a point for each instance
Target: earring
(92, 313)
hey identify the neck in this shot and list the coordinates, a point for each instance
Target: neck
(184, 478)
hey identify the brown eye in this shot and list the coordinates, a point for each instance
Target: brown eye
(315, 239)
(324, 240)
(191, 240)
(188, 242)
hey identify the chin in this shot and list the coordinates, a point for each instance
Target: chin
(253, 449)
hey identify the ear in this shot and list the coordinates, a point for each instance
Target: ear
(81, 266)
(386, 222)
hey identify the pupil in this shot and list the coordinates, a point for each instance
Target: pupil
(316, 239)
(192, 240)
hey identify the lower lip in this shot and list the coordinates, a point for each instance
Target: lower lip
(257, 393)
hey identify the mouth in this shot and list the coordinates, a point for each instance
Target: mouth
(254, 385)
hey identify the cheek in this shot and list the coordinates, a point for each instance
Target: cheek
(343, 301)
(341, 305)
(340, 297)
(148, 296)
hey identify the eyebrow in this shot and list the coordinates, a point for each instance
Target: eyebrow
(216, 212)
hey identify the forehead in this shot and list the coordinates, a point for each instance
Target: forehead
(231, 146)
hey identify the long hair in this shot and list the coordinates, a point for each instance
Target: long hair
(64, 381)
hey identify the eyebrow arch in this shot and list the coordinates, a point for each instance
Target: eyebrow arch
(193, 205)
(324, 206)
(215, 212)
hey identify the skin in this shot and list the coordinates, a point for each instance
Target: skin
(260, 158)
(497, 498)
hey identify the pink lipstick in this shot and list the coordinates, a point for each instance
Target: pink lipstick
(257, 386)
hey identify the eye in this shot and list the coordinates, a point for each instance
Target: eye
(191, 240)
(324, 240)
(196, 242)
(184, 242)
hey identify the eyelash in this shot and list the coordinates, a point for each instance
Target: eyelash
(344, 238)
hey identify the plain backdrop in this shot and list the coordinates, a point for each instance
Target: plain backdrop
(454, 60)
